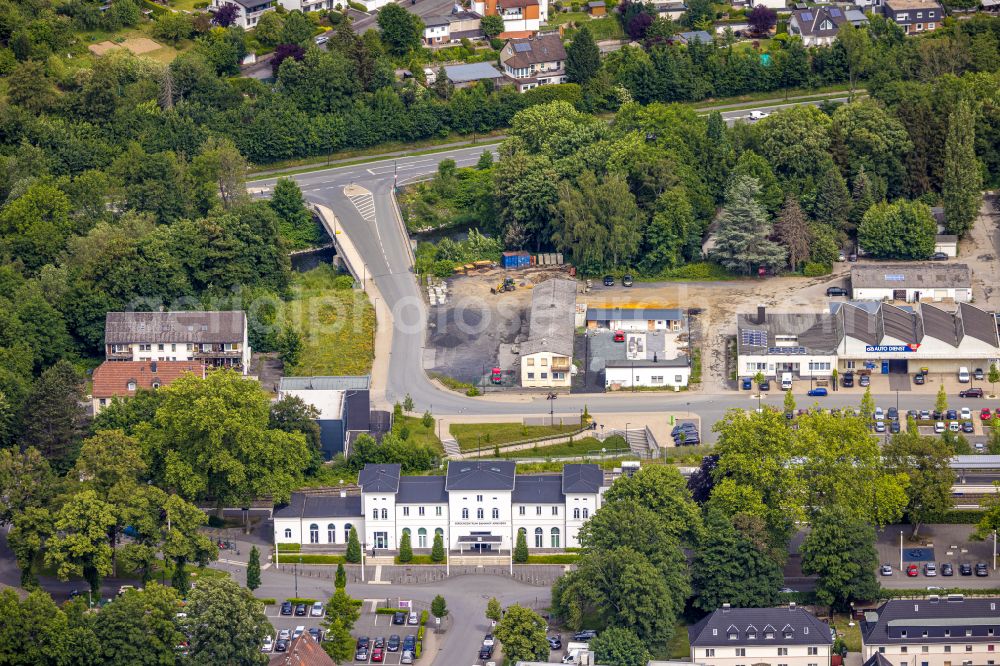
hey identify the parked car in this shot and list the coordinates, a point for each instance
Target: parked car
(362, 642)
(765, 385)
(316, 633)
(967, 427)
(686, 426)
(965, 413)
(852, 257)
(912, 571)
(747, 383)
(939, 256)
(286, 607)
(392, 645)
(413, 618)
(918, 378)
(880, 426)
(939, 427)
(975, 392)
(317, 609)
(978, 374)
(285, 634)
(627, 281)
(912, 414)
(894, 427)
(609, 281)
(489, 640)
(937, 415)
(951, 414)
(864, 381)
(836, 291)
(892, 414)
(818, 392)
(848, 379)
(841, 256)
(984, 414)
(377, 655)
(407, 657)
(981, 569)
(300, 610)
(410, 642)
(886, 570)
(281, 645)
(965, 569)
(298, 631)
(555, 643)
(619, 336)
(399, 618)
(947, 569)
(268, 645)
(879, 414)
(361, 654)
(953, 426)
(758, 115)
(930, 569)
(925, 415)
(584, 635)
(485, 652)
(379, 642)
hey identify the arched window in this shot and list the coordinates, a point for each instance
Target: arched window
(288, 533)
(479, 514)
(314, 533)
(586, 513)
(375, 514)
(347, 532)
(422, 538)
(385, 514)
(440, 531)
(538, 537)
(406, 533)
(465, 514)
(576, 513)
(555, 537)
(496, 514)
(331, 533)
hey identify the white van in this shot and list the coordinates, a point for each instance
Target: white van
(786, 381)
(963, 375)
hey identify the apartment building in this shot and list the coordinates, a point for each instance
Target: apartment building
(217, 339)
(521, 18)
(936, 631)
(786, 636)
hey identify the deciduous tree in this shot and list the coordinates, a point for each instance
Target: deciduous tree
(792, 230)
(926, 461)
(149, 613)
(79, 546)
(522, 632)
(225, 624)
(438, 607)
(619, 646)
(961, 184)
(401, 30)
(493, 610)
(840, 549)
(900, 230)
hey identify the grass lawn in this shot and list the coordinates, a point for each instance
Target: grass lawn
(601, 28)
(421, 434)
(852, 635)
(471, 436)
(679, 646)
(337, 326)
(580, 447)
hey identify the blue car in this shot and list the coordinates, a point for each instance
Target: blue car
(817, 392)
(747, 383)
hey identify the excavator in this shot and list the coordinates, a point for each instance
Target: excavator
(506, 285)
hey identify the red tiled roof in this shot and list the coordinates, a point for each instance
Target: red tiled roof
(112, 378)
(303, 651)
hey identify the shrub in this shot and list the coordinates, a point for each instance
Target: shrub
(343, 282)
(289, 547)
(390, 611)
(423, 621)
(268, 601)
(358, 6)
(311, 559)
(813, 269)
(472, 392)
(300, 600)
(215, 521)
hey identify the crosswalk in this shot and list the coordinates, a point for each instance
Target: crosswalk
(365, 203)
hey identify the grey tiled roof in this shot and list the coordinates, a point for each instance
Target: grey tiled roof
(379, 478)
(304, 505)
(553, 306)
(475, 475)
(678, 362)
(582, 478)
(787, 626)
(898, 618)
(902, 324)
(538, 489)
(533, 50)
(187, 326)
(421, 489)
(818, 333)
(941, 324)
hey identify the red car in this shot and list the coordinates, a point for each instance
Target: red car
(984, 414)
(496, 376)
(619, 336)
(912, 571)
(377, 655)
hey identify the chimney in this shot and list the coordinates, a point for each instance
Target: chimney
(761, 314)
(725, 608)
(791, 605)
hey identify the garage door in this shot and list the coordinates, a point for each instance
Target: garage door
(898, 367)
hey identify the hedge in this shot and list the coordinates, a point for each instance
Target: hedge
(417, 559)
(158, 10)
(391, 611)
(892, 594)
(268, 601)
(301, 600)
(311, 559)
(289, 547)
(962, 517)
(423, 619)
(563, 558)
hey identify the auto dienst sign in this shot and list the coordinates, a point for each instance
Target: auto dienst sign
(890, 349)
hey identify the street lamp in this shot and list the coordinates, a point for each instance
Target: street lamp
(551, 398)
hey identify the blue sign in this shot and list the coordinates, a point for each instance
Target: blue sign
(892, 349)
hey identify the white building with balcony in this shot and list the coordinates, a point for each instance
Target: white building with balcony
(215, 338)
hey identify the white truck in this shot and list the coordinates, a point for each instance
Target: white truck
(575, 651)
(786, 381)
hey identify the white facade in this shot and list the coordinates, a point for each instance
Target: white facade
(793, 655)
(910, 294)
(546, 370)
(657, 375)
(770, 4)
(249, 13)
(437, 34)
(479, 511)
(775, 636)
(819, 365)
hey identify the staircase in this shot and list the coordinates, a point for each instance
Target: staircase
(636, 439)
(450, 445)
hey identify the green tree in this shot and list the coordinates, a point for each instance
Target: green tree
(927, 463)
(53, 418)
(663, 490)
(26, 481)
(840, 549)
(149, 613)
(35, 225)
(993, 377)
(297, 29)
(522, 633)
(833, 202)
(437, 549)
(353, 554)
(521, 549)
(728, 568)
(743, 238)
(961, 183)
(493, 610)
(401, 30)
(900, 230)
(620, 647)
(57, 635)
(269, 29)
(342, 608)
(583, 58)
(26, 537)
(491, 26)
(796, 142)
(792, 230)
(427, 420)
(340, 582)
(298, 227)
(789, 402)
(858, 51)
(253, 569)
(752, 164)
(864, 196)
(293, 414)
(338, 642)
(183, 541)
(867, 406)
(405, 549)
(438, 607)
(668, 232)
(79, 546)
(941, 401)
(289, 346)
(224, 623)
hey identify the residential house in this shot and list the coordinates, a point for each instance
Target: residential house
(912, 282)
(547, 354)
(302, 651)
(122, 379)
(914, 16)
(671, 9)
(437, 30)
(818, 26)
(217, 339)
(248, 11)
(935, 631)
(653, 373)
(788, 636)
(477, 506)
(463, 76)
(521, 18)
(534, 61)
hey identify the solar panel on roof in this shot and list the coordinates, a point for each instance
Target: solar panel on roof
(522, 48)
(835, 12)
(807, 16)
(754, 338)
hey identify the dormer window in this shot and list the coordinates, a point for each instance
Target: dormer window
(786, 634)
(968, 632)
(733, 635)
(768, 635)
(947, 632)
(903, 634)
(131, 386)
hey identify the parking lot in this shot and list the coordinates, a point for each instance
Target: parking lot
(375, 626)
(292, 622)
(938, 544)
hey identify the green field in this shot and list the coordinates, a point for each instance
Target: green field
(420, 434)
(580, 447)
(337, 326)
(601, 28)
(471, 436)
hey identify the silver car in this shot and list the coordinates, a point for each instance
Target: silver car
(407, 657)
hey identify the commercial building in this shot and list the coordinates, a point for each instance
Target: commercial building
(344, 406)
(647, 373)
(478, 506)
(217, 339)
(122, 379)
(936, 631)
(787, 636)
(547, 354)
(534, 61)
(875, 337)
(912, 282)
(636, 319)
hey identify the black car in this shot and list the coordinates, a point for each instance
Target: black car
(393, 644)
(971, 393)
(379, 642)
(399, 618)
(687, 427)
(627, 281)
(937, 415)
(977, 373)
(918, 378)
(848, 379)
(485, 652)
(300, 610)
(362, 642)
(951, 414)
(765, 385)
(281, 645)
(286, 607)
(747, 383)
(584, 635)
(981, 569)
(836, 291)
(967, 427)
(965, 569)
(894, 427)
(939, 256)
(555, 643)
(315, 633)
(912, 414)
(892, 414)
(864, 381)
(609, 281)
(947, 569)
